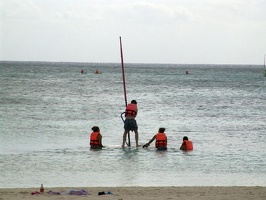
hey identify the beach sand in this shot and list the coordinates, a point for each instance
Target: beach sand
(143, 193)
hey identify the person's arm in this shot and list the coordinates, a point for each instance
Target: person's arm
(100, 139)
(136, 114)
(183, 146)
(148, 144)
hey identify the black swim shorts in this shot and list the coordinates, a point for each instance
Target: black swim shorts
(130, 125)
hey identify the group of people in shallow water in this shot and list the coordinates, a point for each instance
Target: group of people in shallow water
(130, 124)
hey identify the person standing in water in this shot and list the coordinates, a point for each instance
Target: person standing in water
(186, 144)
(96, 138)
(130, 123)
(161, 140)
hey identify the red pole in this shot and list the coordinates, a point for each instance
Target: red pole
(124, 82)
(123, 72)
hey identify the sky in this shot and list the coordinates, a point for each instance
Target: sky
(152, 31)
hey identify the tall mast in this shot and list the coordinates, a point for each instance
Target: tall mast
(123, 72)
(124, 83)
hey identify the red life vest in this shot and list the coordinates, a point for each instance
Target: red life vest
(188, 144)
(94, 142)
(161, 140)
(131, 110)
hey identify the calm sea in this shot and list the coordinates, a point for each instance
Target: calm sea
(47, 111)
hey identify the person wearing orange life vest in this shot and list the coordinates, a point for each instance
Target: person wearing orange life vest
(161, 140)
(186, 145)
(130, 123)
(96, 138)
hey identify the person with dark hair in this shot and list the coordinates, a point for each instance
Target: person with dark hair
(130, 123)
(96, 138)
(161, 140)
(186, 144)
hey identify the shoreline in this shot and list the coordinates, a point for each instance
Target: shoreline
(142, 193)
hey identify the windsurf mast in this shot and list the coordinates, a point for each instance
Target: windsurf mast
(124, 84)
(123, 72)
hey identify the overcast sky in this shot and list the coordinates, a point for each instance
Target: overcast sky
(152, 31)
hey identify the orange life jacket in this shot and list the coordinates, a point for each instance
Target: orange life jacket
(131, 110)
(161, 140)
(94, 142)
(189, 144)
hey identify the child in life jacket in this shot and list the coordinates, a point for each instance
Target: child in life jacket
(96, 138)
(130, 123)
(161, 140)
(187, 144)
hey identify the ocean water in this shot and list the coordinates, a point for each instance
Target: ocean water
(47, 111)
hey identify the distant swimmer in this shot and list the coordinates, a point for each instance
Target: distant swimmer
(83, 71)
(130, 124)
(161, 140)
(96, 138)
(186, 145)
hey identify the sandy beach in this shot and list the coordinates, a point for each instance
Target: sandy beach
(142, 193)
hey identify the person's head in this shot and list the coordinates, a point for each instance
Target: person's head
(134, 101)
(161, 130)
(185, 138)
(95, 129)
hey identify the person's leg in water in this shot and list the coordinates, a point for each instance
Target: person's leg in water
(125, 132)
(124, 138)
(137, 138)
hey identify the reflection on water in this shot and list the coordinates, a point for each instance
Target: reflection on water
(129, 167)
